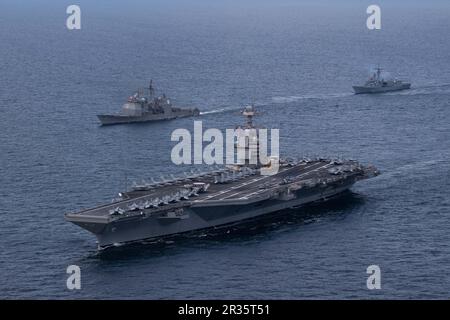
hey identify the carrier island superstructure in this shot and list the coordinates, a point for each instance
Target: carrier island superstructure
(218, 198)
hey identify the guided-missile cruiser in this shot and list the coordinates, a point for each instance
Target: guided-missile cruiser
(218, 198)
(145, 108)
(377, 84)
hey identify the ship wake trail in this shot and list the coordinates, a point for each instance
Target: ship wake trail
(220, 110)
(232, 108)
(442, 85)
(419, 166)
(426, 90)
(390, 178)
(294, 98)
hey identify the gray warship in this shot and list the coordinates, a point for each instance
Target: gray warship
(142, 108)
(377, 84)
(216, 199)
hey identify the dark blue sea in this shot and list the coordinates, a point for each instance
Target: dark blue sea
(297, 61)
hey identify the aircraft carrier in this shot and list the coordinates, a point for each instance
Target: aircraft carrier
(225, 196)
(146, 108)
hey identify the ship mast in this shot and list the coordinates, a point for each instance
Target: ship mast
(151, 90)
(250, 147)
(378, 72)
(249, 112)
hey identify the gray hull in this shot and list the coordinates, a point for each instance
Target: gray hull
(202, 218)
(381, 89)
(122, 119)
(233, 202)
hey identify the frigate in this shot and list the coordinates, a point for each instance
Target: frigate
(377, 84)
(144, 108)
(223, 196)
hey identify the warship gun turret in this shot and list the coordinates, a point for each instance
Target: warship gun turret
(225, 196)
(144, 108)
(377, 84)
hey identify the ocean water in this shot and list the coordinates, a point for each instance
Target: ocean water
(296, 60)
